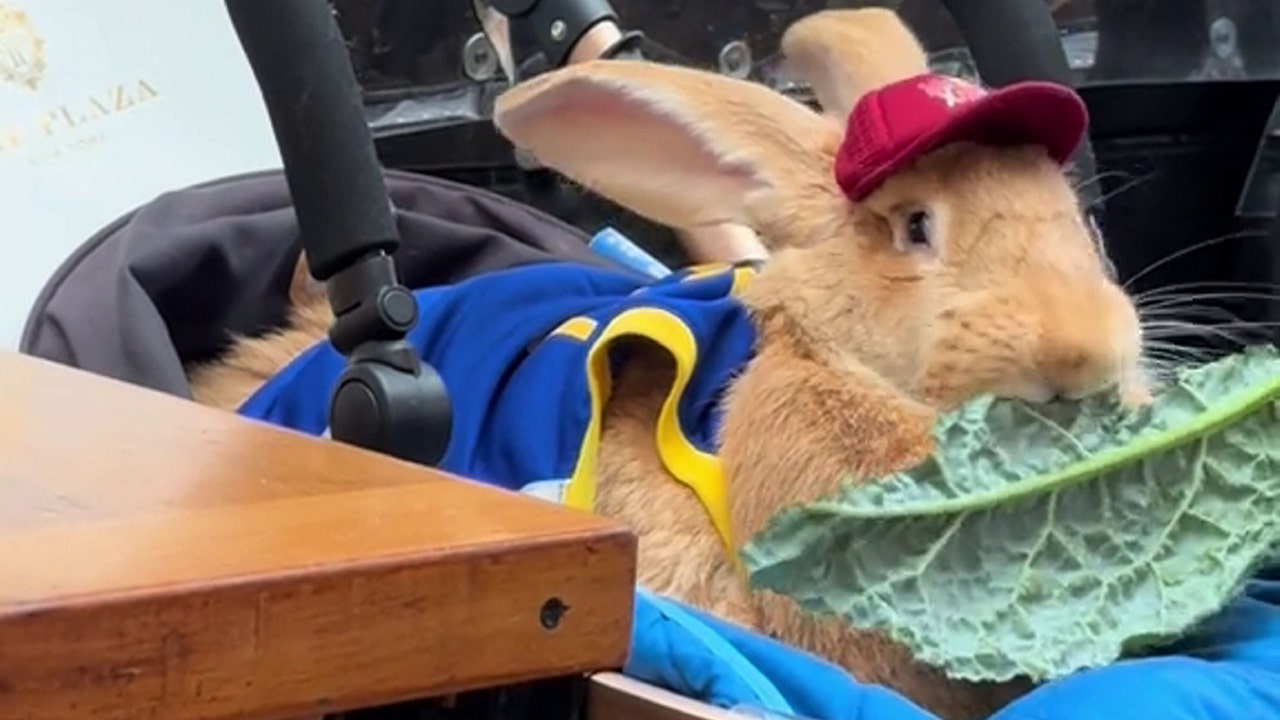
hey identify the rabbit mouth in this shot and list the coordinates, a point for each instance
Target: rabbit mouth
(1131, 388)
(1040, 391)
(1035, 390)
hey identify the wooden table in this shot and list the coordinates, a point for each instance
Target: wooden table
(159, 559)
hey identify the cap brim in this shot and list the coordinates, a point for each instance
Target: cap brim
(1027, 113)
(1045, 114)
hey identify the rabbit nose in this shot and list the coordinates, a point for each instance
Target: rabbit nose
(1088, 338)
(1074, 368)
(1077, 374)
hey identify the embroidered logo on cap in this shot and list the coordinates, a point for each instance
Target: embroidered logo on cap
(952, 91)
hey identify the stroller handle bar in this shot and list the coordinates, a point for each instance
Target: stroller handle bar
(387, 399)
(312, 97)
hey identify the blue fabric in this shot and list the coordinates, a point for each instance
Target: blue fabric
(1228, 669)
(520, 393)
(670, 648)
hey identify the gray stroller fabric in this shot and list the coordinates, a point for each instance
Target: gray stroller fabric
(171, 281)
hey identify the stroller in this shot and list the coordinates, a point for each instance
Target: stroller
(168, 284)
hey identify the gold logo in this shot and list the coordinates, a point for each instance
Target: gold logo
(21, 50)
(73, 125)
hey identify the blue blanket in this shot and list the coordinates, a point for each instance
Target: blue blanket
(1228, 669)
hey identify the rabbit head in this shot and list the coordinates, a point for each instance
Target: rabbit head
(918, 225)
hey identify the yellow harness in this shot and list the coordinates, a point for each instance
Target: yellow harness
(698, 470)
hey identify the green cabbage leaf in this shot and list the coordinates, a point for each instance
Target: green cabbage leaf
(1039, 540)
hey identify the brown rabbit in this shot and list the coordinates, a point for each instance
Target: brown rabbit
(893, 291)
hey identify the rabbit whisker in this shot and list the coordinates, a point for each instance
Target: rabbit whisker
(1098, 177)
(1233, 333)
(1175, 301)
(1190, 249)
(1202, 285)
(1131, 184)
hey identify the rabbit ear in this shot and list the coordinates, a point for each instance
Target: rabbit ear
(843, 54)
(682, 147)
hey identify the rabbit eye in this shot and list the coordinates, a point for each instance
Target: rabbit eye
(919, 228)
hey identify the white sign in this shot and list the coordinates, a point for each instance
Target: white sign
(105, 104)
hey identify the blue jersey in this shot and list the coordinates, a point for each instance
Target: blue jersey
(528, 354)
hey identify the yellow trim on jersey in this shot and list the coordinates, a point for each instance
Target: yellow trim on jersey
(704, 270)
(742, 274)
(578, 328)
(698, 470)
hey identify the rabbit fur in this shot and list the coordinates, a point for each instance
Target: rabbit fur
(862, 340)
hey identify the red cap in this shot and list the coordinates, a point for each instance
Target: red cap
(894, 126)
